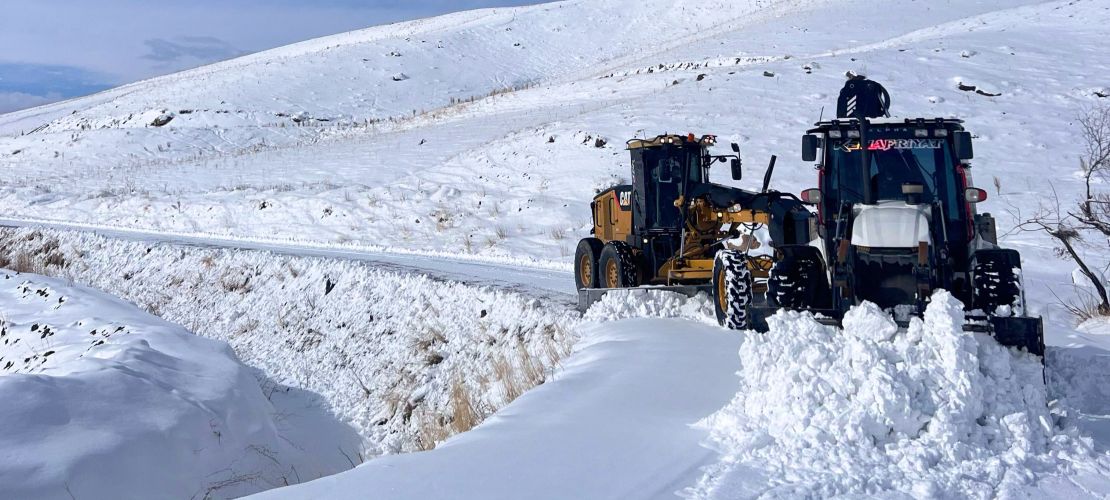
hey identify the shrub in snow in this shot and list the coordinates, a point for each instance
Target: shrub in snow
(931, 411)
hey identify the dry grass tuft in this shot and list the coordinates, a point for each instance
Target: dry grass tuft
(231, 283)
(505, 373)
(1084, 306)
(464, 413)
(25, 256)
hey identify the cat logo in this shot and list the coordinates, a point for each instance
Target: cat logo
(625, 199)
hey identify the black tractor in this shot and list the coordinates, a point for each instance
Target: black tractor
(895, 220)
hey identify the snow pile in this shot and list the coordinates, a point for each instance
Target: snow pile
(101, 400)
(929, 412)
(648, 303)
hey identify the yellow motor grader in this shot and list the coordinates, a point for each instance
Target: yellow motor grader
(673, 229)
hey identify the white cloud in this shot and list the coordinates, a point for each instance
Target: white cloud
(15, 101)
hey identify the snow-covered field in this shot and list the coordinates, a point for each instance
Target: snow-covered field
(480, 137)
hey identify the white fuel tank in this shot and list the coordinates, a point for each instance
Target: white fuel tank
(891, 224)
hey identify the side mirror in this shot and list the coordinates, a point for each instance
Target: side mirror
(809, 147)
(974, 195)
(737, 169)
(962, 145)
(735, 148)
(811, 196)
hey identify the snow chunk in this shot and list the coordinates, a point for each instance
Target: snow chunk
(931, 411)
(647, 303)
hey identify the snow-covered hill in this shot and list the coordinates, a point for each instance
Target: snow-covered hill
(510, 174)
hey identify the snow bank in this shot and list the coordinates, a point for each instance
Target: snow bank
(928, 412)
(101, 400)
(648, 303)
(393, 353)
(613, 423)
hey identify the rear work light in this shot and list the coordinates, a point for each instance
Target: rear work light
(975, 195)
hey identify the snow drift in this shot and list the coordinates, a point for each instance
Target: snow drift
(101, 400)
(931, 411)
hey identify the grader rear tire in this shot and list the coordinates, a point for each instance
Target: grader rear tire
(586, 274)
(732, 290)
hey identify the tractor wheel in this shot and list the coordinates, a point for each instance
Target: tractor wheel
(996, 281)
(798, 281)
(618, 266)
(732, 290)
(586, 259)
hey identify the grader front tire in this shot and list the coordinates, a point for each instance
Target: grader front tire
(732, 290)
(618, 266)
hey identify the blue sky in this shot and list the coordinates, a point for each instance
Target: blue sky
(56, 49)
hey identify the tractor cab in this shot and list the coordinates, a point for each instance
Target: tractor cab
(897, 221)
(904, 188)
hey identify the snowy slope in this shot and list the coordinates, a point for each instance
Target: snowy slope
(483, 177)
(101, 400)
(382, 73)
(383, 347)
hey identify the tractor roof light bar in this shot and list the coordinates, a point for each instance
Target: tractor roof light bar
(672, 140)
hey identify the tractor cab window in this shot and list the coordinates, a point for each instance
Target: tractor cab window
(896, 160)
